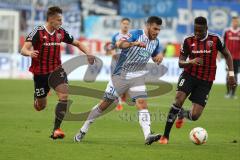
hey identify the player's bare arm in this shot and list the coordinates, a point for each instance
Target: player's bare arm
(85, 50)
(231, 79)
(158, 58)
(125, 44)
(27, 50)
(183, 62)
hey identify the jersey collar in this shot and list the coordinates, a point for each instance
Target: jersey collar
(234, 30)
(48, 31)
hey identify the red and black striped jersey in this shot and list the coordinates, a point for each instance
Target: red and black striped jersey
(231, 38)
(207, 49)
(48, 46)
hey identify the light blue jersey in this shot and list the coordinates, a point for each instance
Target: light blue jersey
(135, 58)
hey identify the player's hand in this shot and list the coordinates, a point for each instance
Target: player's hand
(139, 44)
(33, 54)
(197, 61)
(158, 59)
(91, 59)
(232, 82)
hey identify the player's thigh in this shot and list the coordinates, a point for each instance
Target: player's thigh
(115, 88)
(200, 94)
(59, 82)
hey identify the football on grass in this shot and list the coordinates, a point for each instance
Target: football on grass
(198, 135)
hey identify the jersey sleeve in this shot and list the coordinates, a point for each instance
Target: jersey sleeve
(68, 38)
(157, 50)
(33, 36)
(220, 43)
(134, 35)
(224, 36)
(114, 40)
(184, 51)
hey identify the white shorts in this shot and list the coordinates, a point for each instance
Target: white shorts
(117, 86)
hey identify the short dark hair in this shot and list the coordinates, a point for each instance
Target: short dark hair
(154, 19)
(200, 20)
(125, 19)
(53, 11)
(234, 17)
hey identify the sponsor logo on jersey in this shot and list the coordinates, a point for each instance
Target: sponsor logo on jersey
(201, 51)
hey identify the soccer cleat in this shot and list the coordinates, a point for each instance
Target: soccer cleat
(227, 96)
(234, 97)
(152, 138)
(179, 122)
(78, 137)
(163, 140)
(119, 107)
(57, 134)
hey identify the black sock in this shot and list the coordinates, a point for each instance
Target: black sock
(228, 88)
(233, 91)
(174, 110)
(60, 112)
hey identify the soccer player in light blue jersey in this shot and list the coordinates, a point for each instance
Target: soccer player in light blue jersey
(128, 75)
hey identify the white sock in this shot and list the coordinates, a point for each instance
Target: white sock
(95, 112)
(144, 121)
(119, 100)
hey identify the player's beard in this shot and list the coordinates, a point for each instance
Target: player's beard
(200, 37)
(153, 36)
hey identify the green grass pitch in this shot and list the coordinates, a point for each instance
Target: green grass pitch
(24, 132)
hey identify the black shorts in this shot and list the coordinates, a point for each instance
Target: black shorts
(196, 88)
(43, 83)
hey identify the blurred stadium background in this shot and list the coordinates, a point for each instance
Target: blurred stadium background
(94, 22)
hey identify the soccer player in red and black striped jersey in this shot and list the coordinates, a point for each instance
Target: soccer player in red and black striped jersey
(198, 58)
(43, 46)
(231, 38)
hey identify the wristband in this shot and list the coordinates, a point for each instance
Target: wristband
(231, 73)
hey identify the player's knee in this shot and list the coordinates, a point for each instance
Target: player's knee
(178, 101)
(63, 97)
(195, 117)
(105, 104)
(141, 103)
(39, 105)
